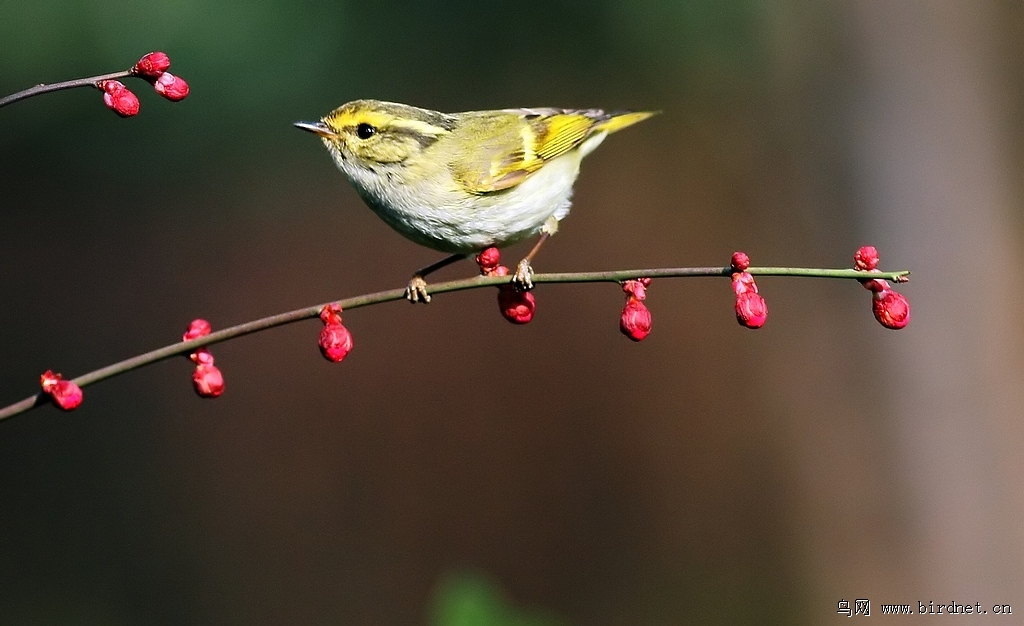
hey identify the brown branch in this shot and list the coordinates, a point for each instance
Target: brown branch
(185, 347)
(92, 81)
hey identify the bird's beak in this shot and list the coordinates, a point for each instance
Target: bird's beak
(316, 127)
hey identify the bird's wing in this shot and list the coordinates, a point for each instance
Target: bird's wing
(504, 154)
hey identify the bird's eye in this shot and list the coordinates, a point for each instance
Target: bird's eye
(365, 131)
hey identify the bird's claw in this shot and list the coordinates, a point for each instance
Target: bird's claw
(523, 278)
(416, 290)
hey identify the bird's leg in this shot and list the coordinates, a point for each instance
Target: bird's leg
(523, 278)
(416, 290)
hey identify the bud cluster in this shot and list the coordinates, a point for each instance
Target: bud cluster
(890, 308)
(635, 319)
(64, 393)
(153, 68)
(207, 379)
(751, 309)
(335, 340)
(516, 306)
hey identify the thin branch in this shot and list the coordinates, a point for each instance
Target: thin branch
(185, 347)
(92, 81)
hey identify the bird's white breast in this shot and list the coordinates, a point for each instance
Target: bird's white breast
(437, 213)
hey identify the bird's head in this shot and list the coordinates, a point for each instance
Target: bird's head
(367, 133)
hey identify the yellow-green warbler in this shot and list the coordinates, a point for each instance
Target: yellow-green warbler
(462, 182)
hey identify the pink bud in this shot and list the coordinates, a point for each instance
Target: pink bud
(335, 339)
(517, 306)
(635, 320)
(64, 393)
(197, 328)
(637, 288)
(171, 87)
(743, 282)
(152, 65)
(335, 342)
(866, 258)
(891, 309)
(331, 313)
(876, 284)
(740, 261)
(202, 356)
(119, 98)
(207, 380)
(751, 309)
(488, 260)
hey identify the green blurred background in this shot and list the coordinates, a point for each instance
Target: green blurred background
(459, 470)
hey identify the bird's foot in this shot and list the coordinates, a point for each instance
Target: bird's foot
(523, 278)
(416, 290)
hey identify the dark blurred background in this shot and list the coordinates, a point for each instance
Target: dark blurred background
(456, 469)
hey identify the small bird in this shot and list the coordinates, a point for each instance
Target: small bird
(462, 182)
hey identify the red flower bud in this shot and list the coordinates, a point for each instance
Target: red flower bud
(517, 306)
(196, 329)
(152, 65)
(331, 313)
(119, 98)
(875, 284)
(64, 393)
(637, 288)
(488, 260)
(891, 309)
(202, 356)
(635, 320)
(751, 309)
(743, 282)
(207, 380)
(740, 261)
(335, 342)
(171, 87)
(866, 258)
